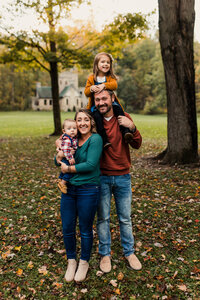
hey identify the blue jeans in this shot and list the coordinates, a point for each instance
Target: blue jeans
(120, 186)
(80, 201)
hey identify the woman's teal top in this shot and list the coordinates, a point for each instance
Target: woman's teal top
(87, 158)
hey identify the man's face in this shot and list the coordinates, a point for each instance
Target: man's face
(103, 102)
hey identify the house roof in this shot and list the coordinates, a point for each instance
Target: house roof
(66, 89)
(44, 92)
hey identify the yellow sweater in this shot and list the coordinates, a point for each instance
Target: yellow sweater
(110, 84)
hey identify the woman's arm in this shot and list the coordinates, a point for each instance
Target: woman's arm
(93, 156)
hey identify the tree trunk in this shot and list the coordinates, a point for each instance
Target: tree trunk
(176, 30)
(55, 92)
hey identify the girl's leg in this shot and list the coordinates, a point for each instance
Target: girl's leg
(68, 216)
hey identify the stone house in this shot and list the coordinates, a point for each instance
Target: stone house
(71, 96)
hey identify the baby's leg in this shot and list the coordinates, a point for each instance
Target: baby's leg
(126, 133)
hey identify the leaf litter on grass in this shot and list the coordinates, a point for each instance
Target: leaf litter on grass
(165, 224)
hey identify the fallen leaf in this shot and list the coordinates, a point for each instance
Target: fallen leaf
(84, 291)
(117, 291)
(19, 272)
(30, 265)
(113, 282)
(120, 276)
(43, 270)
(182, 287)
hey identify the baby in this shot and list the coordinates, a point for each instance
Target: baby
(66, 147)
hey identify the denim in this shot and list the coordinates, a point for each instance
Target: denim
(80, 201)
(66, 176)
(120, 187)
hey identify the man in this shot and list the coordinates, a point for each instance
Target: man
(116, 180)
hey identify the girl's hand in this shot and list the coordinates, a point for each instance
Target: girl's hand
(101, 87)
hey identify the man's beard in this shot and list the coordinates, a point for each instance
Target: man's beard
(107, 110)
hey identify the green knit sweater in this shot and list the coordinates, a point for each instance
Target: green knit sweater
(87, 158)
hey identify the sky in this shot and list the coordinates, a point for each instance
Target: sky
(103, 12)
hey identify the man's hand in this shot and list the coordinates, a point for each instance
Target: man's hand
(126, 122)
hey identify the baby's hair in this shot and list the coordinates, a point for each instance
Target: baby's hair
(66, 121)
(96, 61)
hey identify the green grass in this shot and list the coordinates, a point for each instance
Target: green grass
(165, 220)
(24, 124)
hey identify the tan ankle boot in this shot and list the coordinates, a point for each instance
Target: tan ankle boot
(71, 269)
(82, 270)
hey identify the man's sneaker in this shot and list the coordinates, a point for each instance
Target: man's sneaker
(105, 264)
(134, 262)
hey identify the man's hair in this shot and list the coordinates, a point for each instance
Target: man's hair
(66, 121)
(110, 92)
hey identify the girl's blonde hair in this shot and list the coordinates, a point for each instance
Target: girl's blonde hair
(89, 115)
(96, 61)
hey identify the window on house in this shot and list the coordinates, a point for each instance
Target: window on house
(50, 102)
(45, 102)
(67, 101)
(77, 101)
(36, 102)
(81, 104)
(66, 83)
(81, 92)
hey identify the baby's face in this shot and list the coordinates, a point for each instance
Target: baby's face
(70, 128)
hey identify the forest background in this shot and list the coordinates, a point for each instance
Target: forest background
(140, 76)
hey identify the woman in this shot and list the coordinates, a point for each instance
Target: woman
(82, 195)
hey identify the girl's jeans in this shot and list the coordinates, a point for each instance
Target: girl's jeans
(80, 201)
(120, 187)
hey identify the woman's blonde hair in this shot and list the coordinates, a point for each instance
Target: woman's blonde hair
(89, 115)
(96, 61)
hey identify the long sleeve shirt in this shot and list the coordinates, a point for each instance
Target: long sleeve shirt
(67, 145)
(87, 159)
(116, 159)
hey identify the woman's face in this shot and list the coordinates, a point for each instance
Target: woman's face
(83, 123)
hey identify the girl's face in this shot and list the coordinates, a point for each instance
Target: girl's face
(103, 65)
(83, 123)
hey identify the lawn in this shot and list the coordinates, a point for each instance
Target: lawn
(165, 215)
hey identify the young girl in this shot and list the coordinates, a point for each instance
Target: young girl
(103, 77)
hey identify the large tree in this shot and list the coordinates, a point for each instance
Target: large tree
(46, 49)
(176, 32)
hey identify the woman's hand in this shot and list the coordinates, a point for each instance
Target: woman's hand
(64, 167)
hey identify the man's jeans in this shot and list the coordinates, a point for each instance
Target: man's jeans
(79, 201)
(120, 186)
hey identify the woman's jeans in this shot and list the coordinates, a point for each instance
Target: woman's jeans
(80, 201)
(120, 187)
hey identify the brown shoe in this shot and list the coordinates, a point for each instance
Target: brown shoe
(105, 264)
(134, 262)
(62, 187)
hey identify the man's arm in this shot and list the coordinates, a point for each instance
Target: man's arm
(127, 121)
